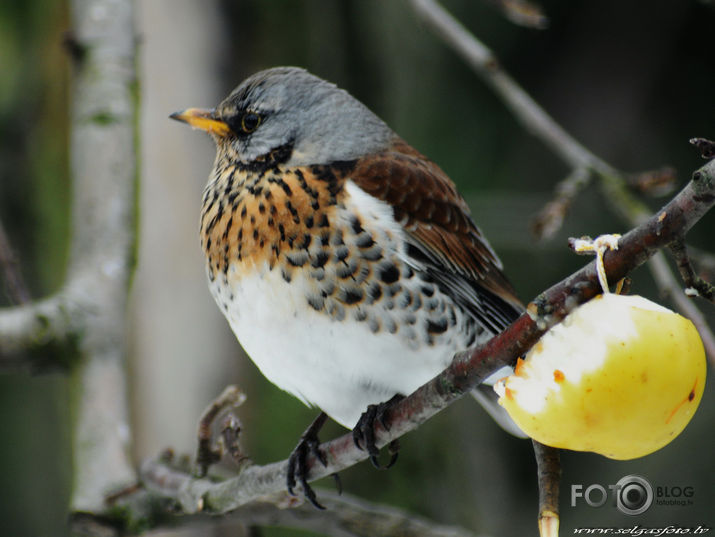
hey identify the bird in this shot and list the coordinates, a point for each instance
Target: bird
(345, 261)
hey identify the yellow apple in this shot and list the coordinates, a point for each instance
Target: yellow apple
(620, 376)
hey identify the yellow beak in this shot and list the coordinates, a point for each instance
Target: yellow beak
(203, 119)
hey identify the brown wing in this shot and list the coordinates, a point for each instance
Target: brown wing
(440, 229)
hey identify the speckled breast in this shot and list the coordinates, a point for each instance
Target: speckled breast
(344, 244)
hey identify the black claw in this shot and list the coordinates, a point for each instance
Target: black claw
(393, 448)
(309, 494)
(357, 436)
(292, 464)
(364, 432)
(297, 472)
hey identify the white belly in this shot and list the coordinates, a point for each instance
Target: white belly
(338, 366)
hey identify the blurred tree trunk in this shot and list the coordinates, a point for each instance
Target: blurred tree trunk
(175, 326)
(180, 343)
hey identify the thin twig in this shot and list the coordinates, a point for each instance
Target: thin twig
(523, 12)
(697, 285)
(654, 183)
(549, 220)
(549, 477)
(706, 147)
(207, 453)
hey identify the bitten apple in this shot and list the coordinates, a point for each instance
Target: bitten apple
(620, 376)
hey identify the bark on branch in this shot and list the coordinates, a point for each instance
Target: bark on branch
(344, 516)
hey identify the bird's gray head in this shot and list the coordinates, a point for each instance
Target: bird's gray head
(287, 109)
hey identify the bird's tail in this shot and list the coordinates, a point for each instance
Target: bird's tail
(484, 393)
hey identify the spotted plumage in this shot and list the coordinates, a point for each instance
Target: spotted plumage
(345, 261)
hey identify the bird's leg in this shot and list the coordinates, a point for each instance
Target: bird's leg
(364, 431)
(298, 461)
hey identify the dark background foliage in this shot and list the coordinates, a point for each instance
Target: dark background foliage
(633, 81)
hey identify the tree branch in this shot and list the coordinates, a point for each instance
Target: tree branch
(91, 306)
(483, 61)
(35, 324)
(344, 516)
(467, 370)
(584, 164)
(549, 478)
(347, 516)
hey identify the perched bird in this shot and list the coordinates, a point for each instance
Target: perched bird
(345, 261)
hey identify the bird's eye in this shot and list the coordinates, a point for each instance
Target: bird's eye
(250, 122)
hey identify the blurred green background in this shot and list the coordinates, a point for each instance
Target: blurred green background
(633, 81)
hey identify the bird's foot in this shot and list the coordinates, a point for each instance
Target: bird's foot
(298, 469)
(364, 432)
